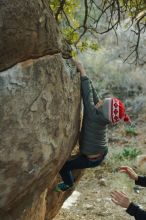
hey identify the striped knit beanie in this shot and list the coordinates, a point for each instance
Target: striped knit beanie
(114, 110)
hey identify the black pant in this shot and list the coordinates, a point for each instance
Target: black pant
(80, 162)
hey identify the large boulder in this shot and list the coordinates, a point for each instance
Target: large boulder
(39, 110)
(39, 124)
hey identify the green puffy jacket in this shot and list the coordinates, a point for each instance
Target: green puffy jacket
(93, 136)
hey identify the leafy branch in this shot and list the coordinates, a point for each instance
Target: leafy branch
(83, 21)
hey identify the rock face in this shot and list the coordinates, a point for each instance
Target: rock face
(27, 30)
(39, 110)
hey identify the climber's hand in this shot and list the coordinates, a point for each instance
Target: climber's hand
(80, 68)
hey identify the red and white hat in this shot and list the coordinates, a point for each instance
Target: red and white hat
(114, 110)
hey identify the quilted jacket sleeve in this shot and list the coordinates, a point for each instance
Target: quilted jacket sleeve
(136, 211)
(89, 95)
(141, 181)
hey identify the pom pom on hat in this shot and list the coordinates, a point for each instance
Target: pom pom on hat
(114, 110)
(127, 119)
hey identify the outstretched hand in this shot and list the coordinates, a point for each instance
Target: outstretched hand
(120, 198)
(129, 171)
(80, 68)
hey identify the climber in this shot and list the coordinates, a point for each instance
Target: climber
(92, 141)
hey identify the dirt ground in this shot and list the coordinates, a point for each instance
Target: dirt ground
(93, 190)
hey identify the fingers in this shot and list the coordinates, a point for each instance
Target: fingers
(128, 170)
(123, 194)
(116, 194)
(116, 197)
(120, 198)
(115, 201)
(78, 64)
(124, 168)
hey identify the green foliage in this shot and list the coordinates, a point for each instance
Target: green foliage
(71, 36)
(118, 157)
(134, 6)
(69, 10)
(87, 44)
(70, 21)
(82, 20)
(128, 153)
(131, 131)
(70, 7)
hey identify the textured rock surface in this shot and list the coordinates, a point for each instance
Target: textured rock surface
(39, 123)
(39, 110)
(27, 30)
